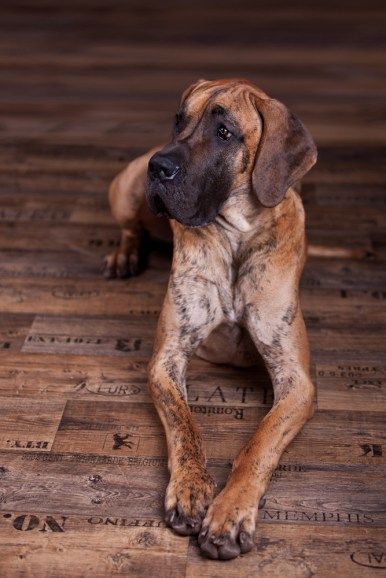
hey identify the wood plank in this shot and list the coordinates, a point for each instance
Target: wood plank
(28, 424)
(117, 378)
(37, 544)
(91, 426)
(13, 328)
(282, 550)
(323, 308)
(88, 336)
(133, 486)
(343, 386)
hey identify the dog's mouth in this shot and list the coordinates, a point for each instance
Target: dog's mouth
(159, 206)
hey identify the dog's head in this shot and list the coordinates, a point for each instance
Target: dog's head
(228, 135)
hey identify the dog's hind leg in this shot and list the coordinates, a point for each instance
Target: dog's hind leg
(126, 198)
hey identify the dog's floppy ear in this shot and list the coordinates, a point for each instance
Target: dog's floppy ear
(188, 91)
(286, 152)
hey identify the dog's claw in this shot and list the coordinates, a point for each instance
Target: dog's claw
(262, 501)
(182, 524)
(246, 542)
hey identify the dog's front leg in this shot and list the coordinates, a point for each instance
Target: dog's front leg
(190, 311)
(279, 334)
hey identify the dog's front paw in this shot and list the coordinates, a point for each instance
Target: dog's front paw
(229, 526)
(187, 498)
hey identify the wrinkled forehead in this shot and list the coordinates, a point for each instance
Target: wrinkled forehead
(235, 98)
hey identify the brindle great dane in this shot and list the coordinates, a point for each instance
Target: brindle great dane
(227, 183)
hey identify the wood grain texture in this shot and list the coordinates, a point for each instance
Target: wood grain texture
(45, 545)
(85, 87)
(288, 551)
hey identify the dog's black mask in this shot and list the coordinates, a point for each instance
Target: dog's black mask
(190, 178)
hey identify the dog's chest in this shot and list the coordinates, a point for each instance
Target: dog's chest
(234, 292)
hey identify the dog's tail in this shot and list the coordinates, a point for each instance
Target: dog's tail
(337, 252)
(331, 252)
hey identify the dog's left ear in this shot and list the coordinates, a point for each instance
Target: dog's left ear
(286, 152)
(188, 91)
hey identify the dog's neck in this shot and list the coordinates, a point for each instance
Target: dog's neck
(241, 213)
(235, 214)
(243, 218)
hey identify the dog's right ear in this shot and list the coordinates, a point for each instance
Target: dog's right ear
(286, 152)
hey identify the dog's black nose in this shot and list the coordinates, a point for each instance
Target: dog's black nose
(162, 167)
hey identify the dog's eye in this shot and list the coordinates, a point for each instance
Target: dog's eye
(223, 133)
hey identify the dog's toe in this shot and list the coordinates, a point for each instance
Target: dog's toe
(225, 547)
(120, 265)
(108, 267)
(246, 542)
(183, 524)
(228, 550)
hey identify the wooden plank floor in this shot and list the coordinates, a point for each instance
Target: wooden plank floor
(85, 86)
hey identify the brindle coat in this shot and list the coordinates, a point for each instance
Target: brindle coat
(239, 251)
